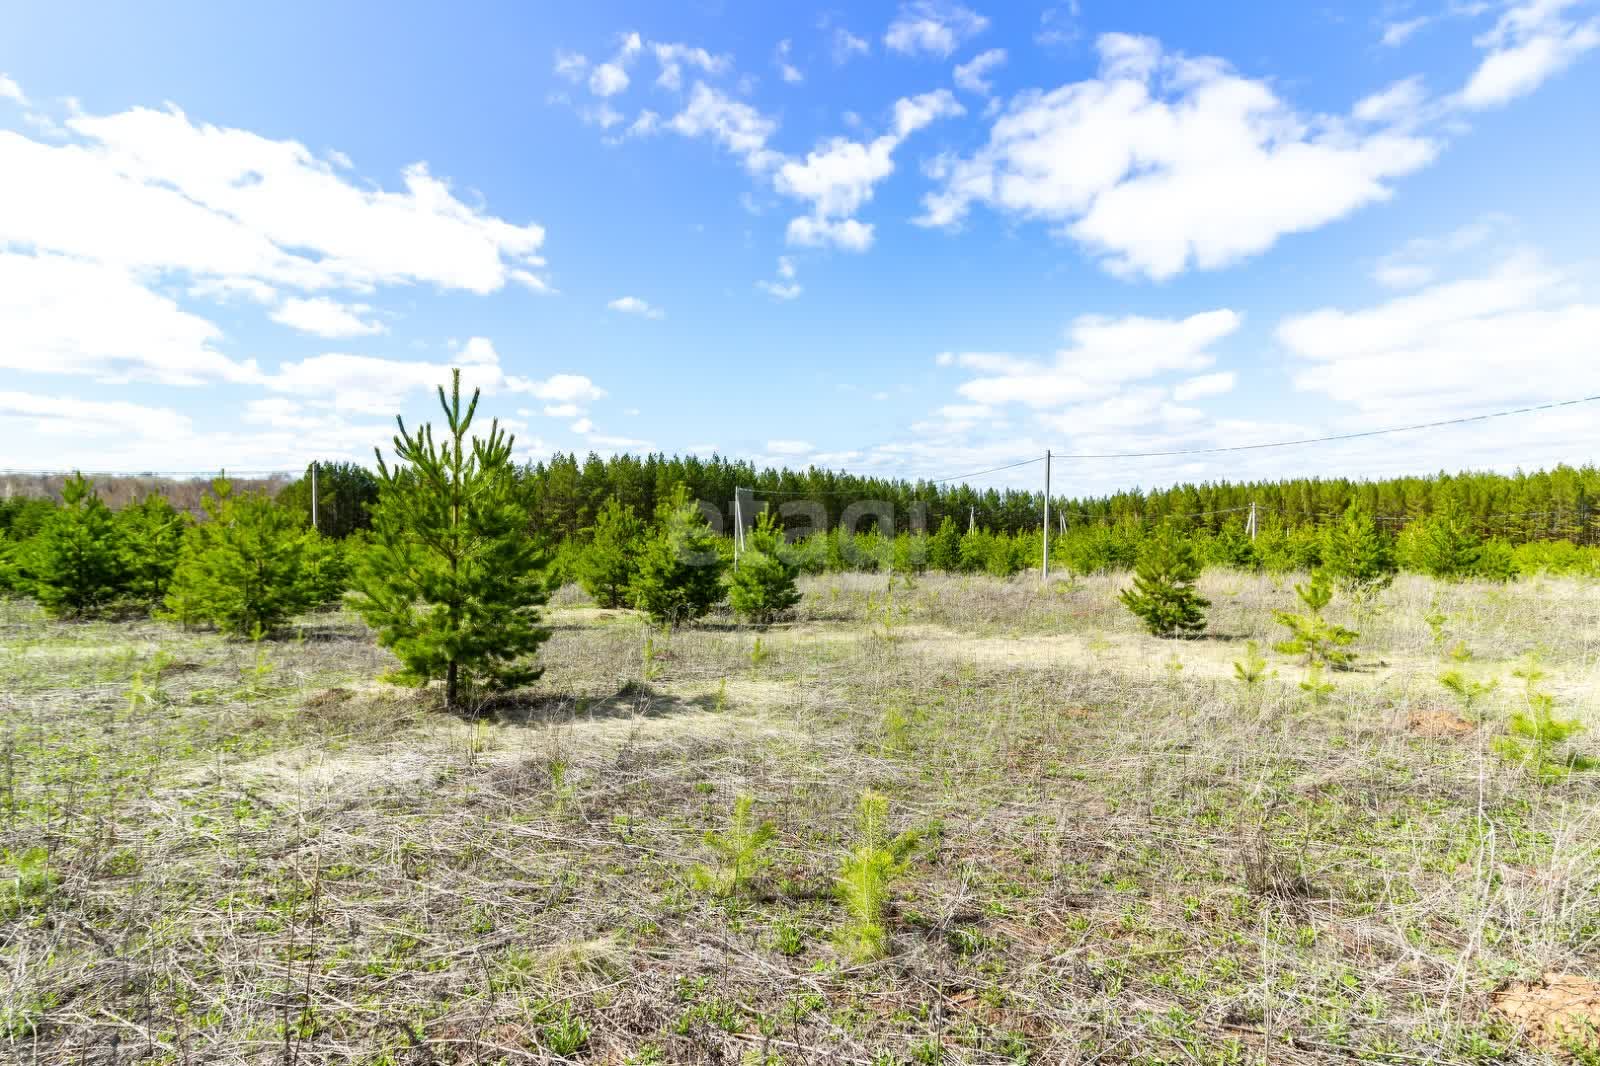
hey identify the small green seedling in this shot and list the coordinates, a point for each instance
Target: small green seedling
(868, 874)
(740, 852)
(1468, 693)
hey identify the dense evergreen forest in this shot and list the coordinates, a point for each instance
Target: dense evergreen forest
(1559, 504)
(565, 494)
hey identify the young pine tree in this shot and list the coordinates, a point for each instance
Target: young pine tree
(75, 564)
(680, 569)
(452, 581)
(1320, 641)
(762, 586)
(152, 542)
(1443, 545)
(944, 547)
(241, 569)
(1357, 555)
(1163, 593)
(325, 567)
(608, 564)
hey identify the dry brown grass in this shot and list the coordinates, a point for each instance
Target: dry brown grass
(1129, 857)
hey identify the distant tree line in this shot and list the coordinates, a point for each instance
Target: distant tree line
(564, 496)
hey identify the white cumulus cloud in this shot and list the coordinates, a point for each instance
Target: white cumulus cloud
(933, 27)
(1163, 162)
(1521, 332)
(1531, 42)
(632, 305)
(973, 75)
(327, 318)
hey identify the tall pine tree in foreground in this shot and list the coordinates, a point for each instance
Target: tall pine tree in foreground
(452, 581)
(609, 563)
(680, 570)
(1163, 594)
(75, 565)
(242, 569)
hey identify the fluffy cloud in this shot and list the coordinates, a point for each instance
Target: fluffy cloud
(973, 76)
(1520, 333)
(846, 46)
(1400, 103)
(674, 57)
(632, 305)
(153, 190)
(327, 318)
(1530, 43)
(1103, 355)
(933, 27)
(735, 125)
(69, 418)
(611, 77)
(1399, 32)
(846, 234)
(1163, 162)
(608, 79)
(562, 388)
(1204, 385)
(838, 177)
(786, 69)
(571, 65)
(69, 316)
(790, 447)
(786, 287)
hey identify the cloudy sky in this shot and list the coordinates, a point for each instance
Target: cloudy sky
(919, 238)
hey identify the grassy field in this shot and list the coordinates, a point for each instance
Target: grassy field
(221, 851)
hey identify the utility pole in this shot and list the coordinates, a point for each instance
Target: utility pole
(972, 517)
(1251, 524)
(315, 528)
(738, 528)
(1046, 571)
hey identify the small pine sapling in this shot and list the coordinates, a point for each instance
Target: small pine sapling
(77, 565)
(1535, 739)
(325, 570)
(609, 563)
(242, 569)
(944, 547)
(1435, 620)
(740, 852)
(1320, 641)
(1163, 593)
(453, 582)
(1251, 671)
(759, 653)
(680, 568)
(886, 616)
(867, 875)
(152, 543)
(762, 587)
(1317, 689)
(1468, 693)
(1536, 736)
(1359, 558)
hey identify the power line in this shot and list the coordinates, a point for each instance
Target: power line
(980, 473)
(1334, 436)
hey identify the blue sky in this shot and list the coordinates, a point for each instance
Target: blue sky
(917, 238)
